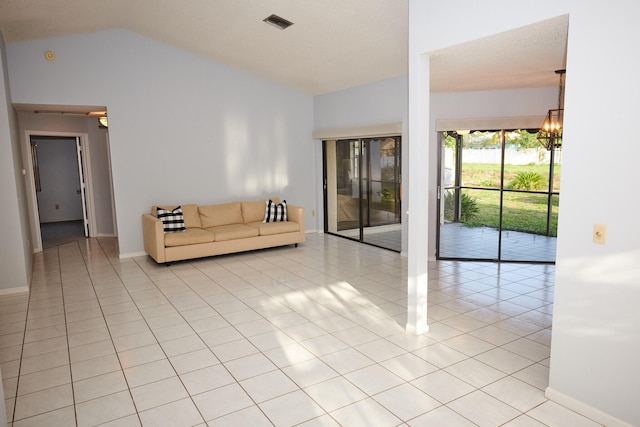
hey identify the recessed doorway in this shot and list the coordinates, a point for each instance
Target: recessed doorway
(60, 188)
(362, 189)
(498, 196)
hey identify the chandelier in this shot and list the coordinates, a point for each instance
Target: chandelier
(550, 134)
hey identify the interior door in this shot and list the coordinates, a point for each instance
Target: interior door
(82, 187)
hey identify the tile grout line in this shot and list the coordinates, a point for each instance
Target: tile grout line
(259, 351)
(158, 342)
(67, 340)
(319, 271)
(108, 331)
(24, 336)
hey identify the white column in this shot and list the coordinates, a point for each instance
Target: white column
(418, 194)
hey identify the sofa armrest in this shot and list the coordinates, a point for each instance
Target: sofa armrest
(153, 234)
(296, 214)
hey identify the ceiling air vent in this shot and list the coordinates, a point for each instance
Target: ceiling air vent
(278, 22)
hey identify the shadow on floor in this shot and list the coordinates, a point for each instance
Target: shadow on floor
(59, 233)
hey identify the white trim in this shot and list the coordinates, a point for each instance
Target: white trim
(422, 329)
(490, 123)
(418, 202)
(88, 182)
(388, 129)
(105, 235)
(584, 409)
(80, 159)
(30, 189)
(15, 290)
(113, 199)
(132, 254)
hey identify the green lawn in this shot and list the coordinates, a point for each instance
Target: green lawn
(488, 175)
(521, 211)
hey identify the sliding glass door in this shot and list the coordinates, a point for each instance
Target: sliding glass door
(362, 190)
(498, 197)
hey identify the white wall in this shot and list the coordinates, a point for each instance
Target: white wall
(182, 129)
(596, 326)
(377, 103)
(15, 251)
(494, 103)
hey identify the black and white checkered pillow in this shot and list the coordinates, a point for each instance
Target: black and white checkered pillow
(275, 211)
(171, 220)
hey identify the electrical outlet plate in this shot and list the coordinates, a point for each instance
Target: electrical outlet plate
(600, 234)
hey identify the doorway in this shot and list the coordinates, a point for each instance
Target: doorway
(362, 189)
(82, 184)
(60, 189)
(498, 196)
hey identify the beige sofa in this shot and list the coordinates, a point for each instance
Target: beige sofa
(220, 229)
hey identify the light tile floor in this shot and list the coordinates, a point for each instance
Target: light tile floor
(384, 236)
(309, 336)
(59, 233)
(462, 242)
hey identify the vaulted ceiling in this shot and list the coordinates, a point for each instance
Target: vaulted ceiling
(333, 44)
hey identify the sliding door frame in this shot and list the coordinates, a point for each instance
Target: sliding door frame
(458, 187)
(364, 170)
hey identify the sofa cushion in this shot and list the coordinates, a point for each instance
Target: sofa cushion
(233, 231)
(191, 216)
(190, 236)
(270, 228)
(275, 211)
(254, 211)
(172, 220)
(222, 214)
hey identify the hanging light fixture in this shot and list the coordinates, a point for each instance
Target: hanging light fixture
(550, 135)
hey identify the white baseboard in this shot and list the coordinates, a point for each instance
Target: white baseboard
(132, 254)
(16, 290)
(421, 329)
(584, 409)
(105, 235)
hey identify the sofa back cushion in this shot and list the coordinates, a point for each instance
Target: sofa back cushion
(254, 211)
(190, 213)
(222, 214)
